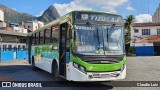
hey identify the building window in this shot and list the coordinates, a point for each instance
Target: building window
(23, 47)
(158, 31)
(145, 31)
(29, 27)
(19, 47)
(9, 47)
(4, 48)
(136, 30)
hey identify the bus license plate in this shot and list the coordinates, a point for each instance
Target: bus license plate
(105, 75)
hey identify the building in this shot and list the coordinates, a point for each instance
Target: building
(156, 15)
(33, 25)
(12, 46)
(1, 15)
(18, 28)
(3, 24)
(143, 37)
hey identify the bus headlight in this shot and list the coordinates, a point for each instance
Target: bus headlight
(75, 65)
(80, 68)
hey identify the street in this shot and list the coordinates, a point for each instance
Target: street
(138, 69)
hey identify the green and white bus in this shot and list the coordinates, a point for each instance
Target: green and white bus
(81, 46)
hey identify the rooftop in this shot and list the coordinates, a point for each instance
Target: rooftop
(150, 39)
(12, 33)
(146, 24)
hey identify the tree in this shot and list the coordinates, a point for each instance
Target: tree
(127, 25)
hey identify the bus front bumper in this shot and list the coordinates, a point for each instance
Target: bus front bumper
(77, 75)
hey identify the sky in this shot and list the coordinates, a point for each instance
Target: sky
(141, 9)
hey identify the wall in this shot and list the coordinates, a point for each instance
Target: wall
(144, 49)
(16, 53)
(3, 24)
(33, 25)
(1, 15)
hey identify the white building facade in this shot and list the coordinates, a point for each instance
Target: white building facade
(143, 37)
(33, 25)
(1, 15)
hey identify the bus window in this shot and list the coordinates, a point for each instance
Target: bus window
(41, 37)
(37, 38)
(67, 42)
(33, 39)
(48, 34)
(54, 35)
(9, 47)
(44, 39)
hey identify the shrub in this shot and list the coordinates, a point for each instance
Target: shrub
(131, 51)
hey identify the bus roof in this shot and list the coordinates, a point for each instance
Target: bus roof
(97, 11)
(59, 20)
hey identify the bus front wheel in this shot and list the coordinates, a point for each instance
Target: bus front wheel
(55, 71)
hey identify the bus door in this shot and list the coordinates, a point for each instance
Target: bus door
(63, 49)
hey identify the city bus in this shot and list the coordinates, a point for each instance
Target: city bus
(80, 46)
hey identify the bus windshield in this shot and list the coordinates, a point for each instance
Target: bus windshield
(98, 40)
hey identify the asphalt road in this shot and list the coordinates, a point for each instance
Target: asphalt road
(138, 69)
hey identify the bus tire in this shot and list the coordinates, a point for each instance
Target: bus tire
(55, 71)
(34, 68)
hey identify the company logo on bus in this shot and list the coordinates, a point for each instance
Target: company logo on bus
(84, 16)
(90, 67)
(98, 17)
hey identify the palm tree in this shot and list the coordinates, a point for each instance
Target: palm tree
(127, 25)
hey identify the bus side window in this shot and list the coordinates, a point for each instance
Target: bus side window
(48, 34)
(44, 37)
(33, 39)
(54, 35)
(38, 36)
(35, 42)
(68, 37)
(41, 37)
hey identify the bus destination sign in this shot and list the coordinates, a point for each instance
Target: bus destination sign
(97, 17)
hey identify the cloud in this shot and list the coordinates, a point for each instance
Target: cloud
(129, 8)
(39, 14)
(66, 8)
(106, 5)
(143, 18)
